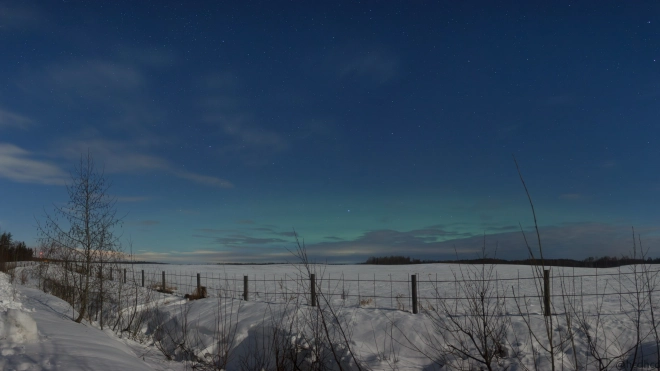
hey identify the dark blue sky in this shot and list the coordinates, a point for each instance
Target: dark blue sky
(373, 128)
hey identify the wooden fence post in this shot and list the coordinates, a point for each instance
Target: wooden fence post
(413, 280)
(163, 286)
(199, 284)
(245, 288)
(312, 282)
(546, 292)
(124, 275)
(143, 278)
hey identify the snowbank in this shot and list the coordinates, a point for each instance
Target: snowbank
(17, 327)
(37, 333)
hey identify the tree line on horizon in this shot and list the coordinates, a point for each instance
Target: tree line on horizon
(590, 262)
(11, 251)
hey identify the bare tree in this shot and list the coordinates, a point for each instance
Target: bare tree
(82, 229)
(469, 332)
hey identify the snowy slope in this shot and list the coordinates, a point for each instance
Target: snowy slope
(37, 333)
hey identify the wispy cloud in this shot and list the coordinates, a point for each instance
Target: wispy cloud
(19, 165)
(505, 228)
(262, 229)
(255, 137)
(127, 157)
(223, 82)
(257, 254)
(245, 134)
(215, 231)
(132, 198)
(116, 156)
(246, 237)
(224, 110)
(14, 120)
(18, 16)
(608, 164)
(571, 240)
(238, 240)
(147, 223)
(95, 78)
(117, 90)
(148, 56)
(203, 179)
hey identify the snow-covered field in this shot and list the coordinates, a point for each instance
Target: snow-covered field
(370, 304)
(382, 284)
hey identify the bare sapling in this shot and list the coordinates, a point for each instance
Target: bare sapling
(549, 344)
(639, 283)
(326, 333)
(84, 228)
(389, 351)
(567, 336)
(470, 333)
(651, 282)
(606, 348)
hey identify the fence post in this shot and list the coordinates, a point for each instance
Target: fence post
(312, 282)
(199, 284)
(143, 278)
(163, 287)
(124, 275)
(245, 288)
(546, 292)
(111, 274)
(413, 280)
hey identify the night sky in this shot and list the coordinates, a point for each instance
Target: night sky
(372, 128)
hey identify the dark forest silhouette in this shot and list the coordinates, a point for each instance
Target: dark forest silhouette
(11, 251)
(590, 262)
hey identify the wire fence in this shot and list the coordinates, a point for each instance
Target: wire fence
(401, 290)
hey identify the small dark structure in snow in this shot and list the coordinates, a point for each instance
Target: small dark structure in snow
(197, 294)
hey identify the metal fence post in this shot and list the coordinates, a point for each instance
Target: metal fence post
(312, 282)
(413, 280)
(163, 286)
(546, 292)
(143, 278)
(124, 275)
(199, 284)
(245, 288)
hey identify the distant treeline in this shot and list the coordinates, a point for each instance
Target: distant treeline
(13, 250)
(591, 262)
(249, 263)
(392, 260)
(113, 262)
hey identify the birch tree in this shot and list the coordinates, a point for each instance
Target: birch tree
(83, 229)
